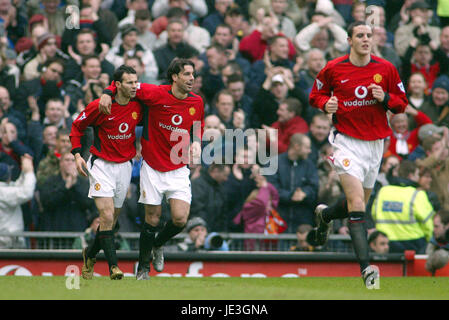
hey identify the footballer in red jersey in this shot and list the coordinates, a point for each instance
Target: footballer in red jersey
(358, 90)
(171, 114)
(109, 165)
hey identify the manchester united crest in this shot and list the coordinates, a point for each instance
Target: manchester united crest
(97, 186)
(134, 115)
(346, 162)
(377, 78)
(192, 111)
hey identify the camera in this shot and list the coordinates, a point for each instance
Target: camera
(213, 241)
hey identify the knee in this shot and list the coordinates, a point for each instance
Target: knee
(356, 204)
(179, 222)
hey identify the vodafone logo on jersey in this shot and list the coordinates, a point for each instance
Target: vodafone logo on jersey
(360, 92)
(176, 119)
(122, 128)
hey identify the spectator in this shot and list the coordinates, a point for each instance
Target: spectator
(438, 249)
(425, 183)
(438, 107)
(293, 11)
(40, 90)
(12, 195)
(85, 45)
(235, 18)
(240, 182)
(425, 131)
(50, 164)
(223, 35)
(7, 109)
(216, 18)
(437, 161)
(27, 48)
(287, 26)
(258, 205)
(416, 94)
(212, 78)
(224, 109)
(404, 213)
(197, 8)
(254, 45)
(301, 239)
(236, 85)
(208, 197)
(8, 73)
(88, 85)
(64, 200)
(319, 130)
(47, 49)
(89, 19)
(402, 141)
(198, 239)
(417, 27)
(317, 35)
(134, 6)
(14, 22)
(276, 88)
(9, 141)
(174, 47)
(297, 183)
(57, 114)
(49, 140)
(277, 56)
(136, 63)
(289, 122)
(383, 49)
(425, 58)
(314, 62)
(330, 188)
(89, 236)
(378, 242)
(105, 15)
(195, 36)
(129, 48)
(444, 40)
(53, 10)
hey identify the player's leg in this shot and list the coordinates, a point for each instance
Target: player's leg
(107, 212)
(179, 210)
(147, 237)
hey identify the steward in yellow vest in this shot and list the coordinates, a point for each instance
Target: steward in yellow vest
(403, 212)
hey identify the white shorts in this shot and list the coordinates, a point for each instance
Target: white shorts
(109, 179)
(155, 184)
(358, 158)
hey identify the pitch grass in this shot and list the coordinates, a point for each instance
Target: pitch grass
(159, 288)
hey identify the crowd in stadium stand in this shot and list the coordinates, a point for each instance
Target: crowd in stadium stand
(256, 62)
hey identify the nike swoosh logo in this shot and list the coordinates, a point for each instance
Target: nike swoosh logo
(343, 81)
(166, 106)
(111, 118)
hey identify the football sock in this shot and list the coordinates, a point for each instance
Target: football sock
(95, 247)
(146, 241)
(168, 232)
(338, 211)
(107, 243)
(358, 234)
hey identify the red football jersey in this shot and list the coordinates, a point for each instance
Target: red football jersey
(359, 114)
(167, 125)
(114, 134)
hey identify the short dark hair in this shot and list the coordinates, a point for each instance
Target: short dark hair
(444, 216)
(86, 31)
(428, 142)
(235, 77)
(118, 74)
(275, 38)
(143, 14)
(50, 61)
(374, 235)
(356, 24)
(88, 57)
(176, 66)
(175, 12)
(406, 168)
(62, 132)
(293, 105)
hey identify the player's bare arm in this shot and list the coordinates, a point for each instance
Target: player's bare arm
(105, 104)
(80, 164)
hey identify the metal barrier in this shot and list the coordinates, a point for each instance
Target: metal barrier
(236, 241)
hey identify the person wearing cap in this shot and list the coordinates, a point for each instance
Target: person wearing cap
(277, 86)
(418, 27)
(199, 239)
(130, 47)
(437, 160)
(12, 195)
(47, 48)
(427, 130)
(438, 106)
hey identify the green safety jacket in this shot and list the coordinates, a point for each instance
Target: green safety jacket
(403, 213)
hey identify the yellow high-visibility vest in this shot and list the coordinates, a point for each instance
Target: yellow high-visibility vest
(443, 8)
(403, 213)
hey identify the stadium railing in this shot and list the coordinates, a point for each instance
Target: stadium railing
(236, 241)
